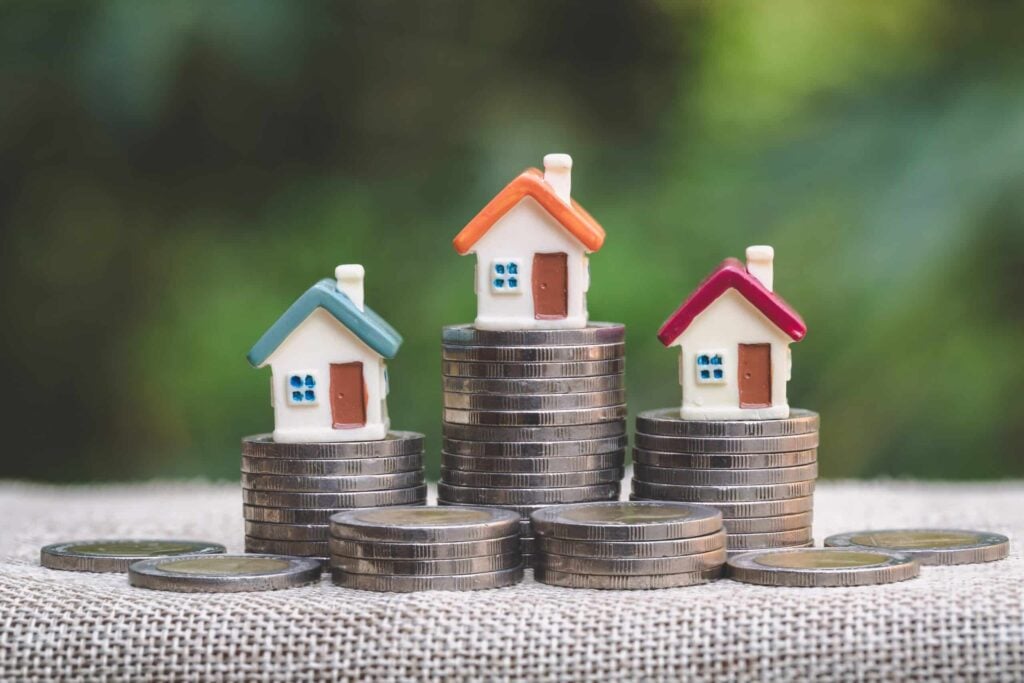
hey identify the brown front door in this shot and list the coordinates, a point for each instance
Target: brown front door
(550, 286)
(755, 372)
(348, 395)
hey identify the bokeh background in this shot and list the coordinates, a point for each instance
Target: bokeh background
(174, 174)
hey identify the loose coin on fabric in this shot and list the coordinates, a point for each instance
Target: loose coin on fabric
(291, 548)
(503, 452)
(716, 445)
(605, 582)
(722, 494)
(358, 499)
(644, 566)
(808, 567)
(771, 539)
(451, 567)
(633, 549)
(761, 525)
(410, 584)
(696, 477)
(593, 333)
(553, 385)
(287, 532)
(395, 443)
(532, 354)
(425, 524)
(523, 465)
(320, 468)
(596, 399)
(116, 555)
(507, 435)
(667, 422)
(541, 480)
(537, 418)
(526, 496)
(929, 546)
(627, 521)
(224, 573)
(532, 370)
(340, 484)
(424, 551)
(746, 461)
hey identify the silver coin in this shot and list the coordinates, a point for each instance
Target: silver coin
(633, 549)
(667, 422)
(116, 555)
(747, 461)
(536, 418)
(766, 444)
(694, 477)
(644, 566)
(533, 370)
(527, 496)
(568, 464)
(593, 333)
(287, 532)
(507, 435)
(277, 515)
(760, 525)
(821, 567)
(736, 553)
(605, 582)
(770, 539)
(532, 354)
(465, 565)
(359, 499)
(342, 484)
(524, 511)
(597, 399)
(929, 546)
(410, 584)
(395, 443)
(503, 451)
(765, 508)
(424, 551)
(528, 545)
(224, 573)
(321, 468)
(627, 521)
(555, 385)
(722, 494)
(290, 548)
(538, 480)
(425, 524)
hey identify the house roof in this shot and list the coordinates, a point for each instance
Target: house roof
(733, 274)
(365, 324)
(530, 182)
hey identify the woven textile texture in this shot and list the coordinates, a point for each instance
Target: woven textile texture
(962, 622)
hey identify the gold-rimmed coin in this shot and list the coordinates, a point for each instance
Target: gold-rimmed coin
(626, 521)
(425, 524)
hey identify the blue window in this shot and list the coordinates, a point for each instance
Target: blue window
(505, 276)
(710, 367)
(302, 388)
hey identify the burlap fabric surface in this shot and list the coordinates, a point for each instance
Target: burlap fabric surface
(952, 623)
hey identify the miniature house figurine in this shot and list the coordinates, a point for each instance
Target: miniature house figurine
(327, 358)
(531, 244)
(734, 334)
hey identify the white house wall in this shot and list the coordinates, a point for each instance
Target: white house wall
(729, 321)
(525, 230)
(315, 344)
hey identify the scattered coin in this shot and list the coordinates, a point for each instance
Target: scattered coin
(287, 532)
(224, 573)
(636, 582)
(426, 550)
(506, 452)
(532, 354)
(341, 484)
(540, 480)
(538, 418)
(764, 508)
(643, 566)
(425, 524)
(448, 567)
(770, 539)
(593, 333)
(409, 584)
(746, 461)
(395, 443)
(697, 477)
(570, 463)
(359, 499)
(627, 521)
(322, 467)
(116, 555)
(667, 422)
(290, 548)
(760, 525)
(821, 567)
(633, 549)
(720, 445)
(491, 402)
(526, 496)
(929, 546)
(532, 370)
(520, 434)
(722, 494)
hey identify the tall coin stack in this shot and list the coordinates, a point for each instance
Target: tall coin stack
(759, 473)
(290, 490)
(533, 418)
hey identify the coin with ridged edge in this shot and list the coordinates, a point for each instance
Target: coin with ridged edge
(524, 511)
(747, 461)
(409, 584)
(588, 368)
(425, 524)
(770, 539)
(645, 566)
(116, 555)
(571, 463)
(599, 430)
(667, 422)
(320, 468)
(527, 496)
(636, 582)
(464, 565)
(287, 532)
(358, 499)
(593, 333)
(723, 494)
(502, 451)
(331, 484)
(627, 521)
(224, 573)
(731, 552)
(694, 477)
(492, 402)
(513, 386)
(540, 480)
(929, 546)
(760, 525)
(395, 443)
(763, 508)
(808, 567)
(291, 548)
(673, 547)
(382, 550)
(316, 516)
(532, 354)
(537, 418)
(766, 444)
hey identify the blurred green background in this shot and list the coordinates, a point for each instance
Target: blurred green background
(175, 174)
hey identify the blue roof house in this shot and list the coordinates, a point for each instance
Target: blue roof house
(327, 358)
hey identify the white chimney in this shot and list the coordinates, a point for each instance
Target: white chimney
(350, 282)
(558, 174)
(759, 264)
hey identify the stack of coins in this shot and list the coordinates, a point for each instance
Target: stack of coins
(533, 418)
(635, 545)
(406, 549)
(759, 473)
(290, 490)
